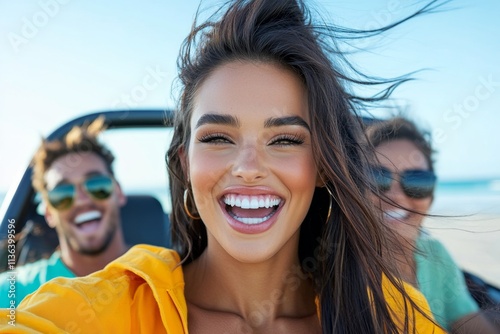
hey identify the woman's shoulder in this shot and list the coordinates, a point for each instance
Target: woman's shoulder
(142, 256)
(157, 266)
(131, 284)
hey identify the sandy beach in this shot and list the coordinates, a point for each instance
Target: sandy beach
(473, 241)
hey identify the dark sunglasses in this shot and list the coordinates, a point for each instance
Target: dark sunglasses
(98, 187)
(416, 183)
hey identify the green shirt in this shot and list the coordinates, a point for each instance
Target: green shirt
(15, 285)
(442, 282)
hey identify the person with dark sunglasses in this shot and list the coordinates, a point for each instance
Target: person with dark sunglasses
(404, 181)
(82, 203)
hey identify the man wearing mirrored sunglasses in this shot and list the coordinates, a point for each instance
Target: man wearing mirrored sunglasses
(82, 203)
(404, 180)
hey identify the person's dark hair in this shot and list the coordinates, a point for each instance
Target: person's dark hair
(344, 254)
(397, 128)
(81, 140)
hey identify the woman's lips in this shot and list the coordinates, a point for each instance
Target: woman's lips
(251, 213)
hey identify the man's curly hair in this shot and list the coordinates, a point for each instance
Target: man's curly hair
(80, 140)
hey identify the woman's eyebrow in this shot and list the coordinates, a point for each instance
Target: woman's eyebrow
(288, 120)
(218, 119)
(233, 121)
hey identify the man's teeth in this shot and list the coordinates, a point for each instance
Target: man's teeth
(396, 214)
(87, 216)
(252, 202)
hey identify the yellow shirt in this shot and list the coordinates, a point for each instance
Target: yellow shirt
(141, 292)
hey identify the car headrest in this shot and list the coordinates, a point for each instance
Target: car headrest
(144, 221)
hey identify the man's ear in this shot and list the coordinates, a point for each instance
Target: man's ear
(122, 199)
(49, 218)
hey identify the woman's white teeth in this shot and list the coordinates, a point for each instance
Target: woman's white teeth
(252, 221)
(252, 202)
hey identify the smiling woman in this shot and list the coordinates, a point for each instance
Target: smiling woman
(268, 174)
(249, 121)
(263, 116)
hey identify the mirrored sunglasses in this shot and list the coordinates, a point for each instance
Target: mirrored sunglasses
(97, 187)
(416, 183)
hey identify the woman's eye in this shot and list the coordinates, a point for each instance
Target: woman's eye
(214, 139)
(287, 140)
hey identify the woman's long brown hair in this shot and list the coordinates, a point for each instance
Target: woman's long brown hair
(343, 255)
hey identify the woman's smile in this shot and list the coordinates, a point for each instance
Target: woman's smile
(251, 210)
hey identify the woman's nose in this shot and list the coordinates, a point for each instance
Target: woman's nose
(249, 164)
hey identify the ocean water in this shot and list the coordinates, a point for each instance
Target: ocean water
(467, 197)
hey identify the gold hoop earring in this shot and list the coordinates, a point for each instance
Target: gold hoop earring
(330, 206)
(190, 215)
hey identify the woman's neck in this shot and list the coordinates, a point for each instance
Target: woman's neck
(272, 289)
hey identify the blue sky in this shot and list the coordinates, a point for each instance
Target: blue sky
(63, 58)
